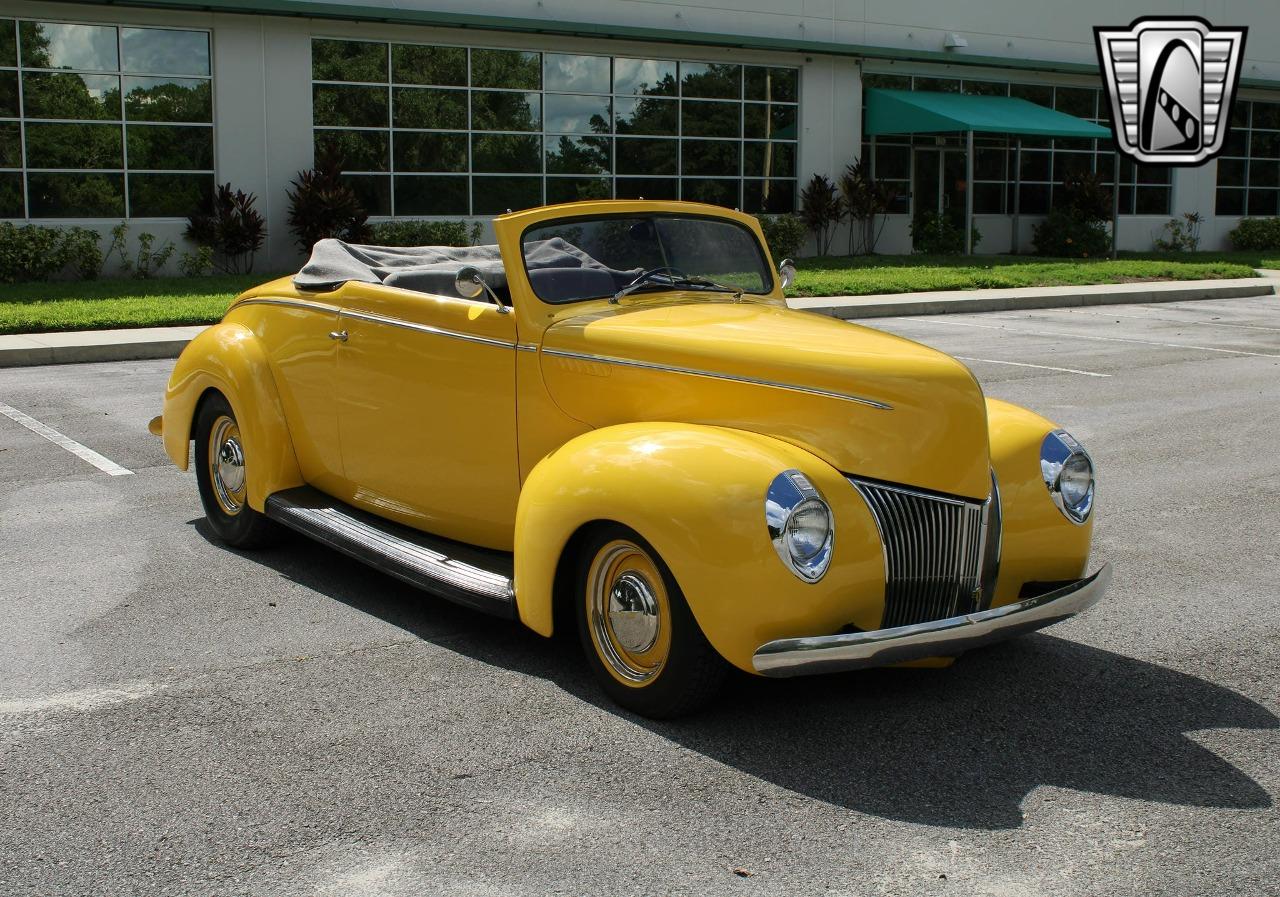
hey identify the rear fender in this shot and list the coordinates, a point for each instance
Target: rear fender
(229, 358)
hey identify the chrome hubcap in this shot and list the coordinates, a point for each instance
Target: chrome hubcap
(629, 611)
(633, 612)
(226, 465)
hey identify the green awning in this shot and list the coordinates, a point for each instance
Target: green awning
(927, 112)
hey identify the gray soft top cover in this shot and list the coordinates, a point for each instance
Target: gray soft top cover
(432, 269)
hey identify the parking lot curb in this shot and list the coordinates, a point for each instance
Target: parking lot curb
(30, 349)
(972, 301)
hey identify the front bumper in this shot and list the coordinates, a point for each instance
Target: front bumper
(939, 638)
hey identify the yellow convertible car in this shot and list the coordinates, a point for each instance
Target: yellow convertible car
(610, 421)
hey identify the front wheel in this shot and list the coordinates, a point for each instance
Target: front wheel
(641, 640)
(222, 476)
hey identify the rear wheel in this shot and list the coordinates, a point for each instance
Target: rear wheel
(221, 471)
(641, 640)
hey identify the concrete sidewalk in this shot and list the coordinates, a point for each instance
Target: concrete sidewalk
(167, 342)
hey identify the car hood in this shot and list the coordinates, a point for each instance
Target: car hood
(869, 403)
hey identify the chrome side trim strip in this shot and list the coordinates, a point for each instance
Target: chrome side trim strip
(426, 328)
(291, 303)
(714, 375)
(945, 638)
(526, 347)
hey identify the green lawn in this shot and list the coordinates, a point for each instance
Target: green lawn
(864, 275)
(107, 304)
(104, 304)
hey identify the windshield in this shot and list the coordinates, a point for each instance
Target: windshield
(593, 258)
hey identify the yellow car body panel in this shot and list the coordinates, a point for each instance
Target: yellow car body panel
(670, 413)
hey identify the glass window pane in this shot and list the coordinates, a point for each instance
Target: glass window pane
(886, 82)
(1230, 202)
(646, 116)
(8, 94)
(1264, 173)
(570, 114)
(1078, 101)
(167, 195)
(988, 199)
(373, 191)
(165, 52)
(1265, 145)
(647, 188)
(46, 45)
(1262, 202)
(443, 66)
(635, 156)
(577, 155)
(710, 158)
(771, 84)
(1073, 143)
(348, 60)
(769, 160)
(988, 164)
(1034, 199)
(505, 153)
(8, 42)
(1266, 115)
(716, 80)
(714, 192)
(985, 88)
(60, 95)
(1035, 165)
(1240, 115)
(58, 195)
(1153, 174)
(1236, 144)
(353, 150)
(11, 195)
(1231, 172)
(74, 146)
(775, 197)
(342, 104)
(769, 122)
(514, 69)
(494, 111)
(170, 147)
(644, 77)
(892, 162)
(168, 99)
(430, 152)
(1040, 94)
(1067, 165)
(417, 195)
(1155, 201)
(712, 119)
(937, 85)
(576, 74)
(10, 145)
(577, 189)
(495, 195)
(425, 107)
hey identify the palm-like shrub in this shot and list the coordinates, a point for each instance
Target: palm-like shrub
(322, 206)
(230, 227)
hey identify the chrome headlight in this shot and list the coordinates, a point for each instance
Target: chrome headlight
(800, 525)
(1068, 472)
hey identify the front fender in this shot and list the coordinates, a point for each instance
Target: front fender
(229, 358)
(1039, 544)
(696, 494)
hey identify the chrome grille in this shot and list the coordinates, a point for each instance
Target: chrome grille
(934, 549)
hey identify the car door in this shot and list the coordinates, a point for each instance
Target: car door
(427, 414)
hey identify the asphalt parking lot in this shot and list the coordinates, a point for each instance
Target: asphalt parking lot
(178, 718)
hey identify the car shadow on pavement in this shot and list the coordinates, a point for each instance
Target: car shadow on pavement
(957, 747)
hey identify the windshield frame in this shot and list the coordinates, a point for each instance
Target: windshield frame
(772, 276)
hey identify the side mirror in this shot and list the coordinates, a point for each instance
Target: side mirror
(787, 271)
(469, 284)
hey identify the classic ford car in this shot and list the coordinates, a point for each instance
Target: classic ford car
(610, 421)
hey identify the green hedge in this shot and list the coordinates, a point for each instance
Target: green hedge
(33, 253)
(408, 232)
(785, 234)
(1256, 235)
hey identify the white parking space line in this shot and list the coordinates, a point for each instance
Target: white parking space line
(1023, 364)
(1103, 339)
(84, 453)
(1174, 320)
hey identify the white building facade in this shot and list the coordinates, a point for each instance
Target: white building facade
(113, 110)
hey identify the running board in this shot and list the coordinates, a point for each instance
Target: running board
(475, 577)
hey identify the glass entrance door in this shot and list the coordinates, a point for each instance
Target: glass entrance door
(939, 183)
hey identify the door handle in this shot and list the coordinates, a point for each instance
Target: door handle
(339, 335)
